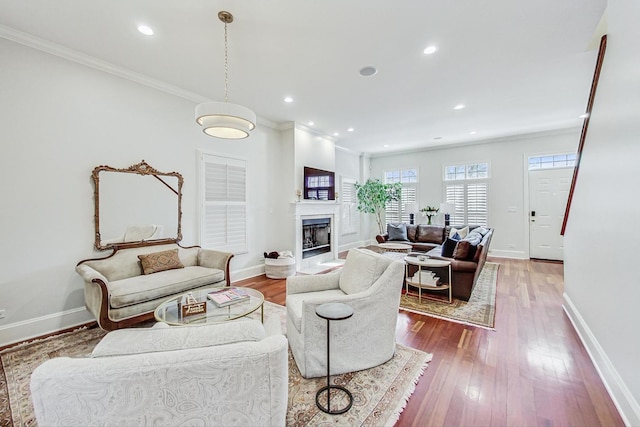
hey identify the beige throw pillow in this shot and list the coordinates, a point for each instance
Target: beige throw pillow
(160, 261)
(461, 232)
(361, 269)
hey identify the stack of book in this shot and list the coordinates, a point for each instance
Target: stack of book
(426, 278)
(228, 296)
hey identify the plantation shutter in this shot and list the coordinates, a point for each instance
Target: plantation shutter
(408, 196)
(349, 214)
(477, 203)
(224, 210)
(455, 195)
(392, 212)
(470, 201)
(395, 210)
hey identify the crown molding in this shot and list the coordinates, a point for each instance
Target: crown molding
(60, 51)
(95, 63)
(506, 138)
(312, 131)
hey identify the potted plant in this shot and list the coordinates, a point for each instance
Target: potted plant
(429, 212)
(373, 197)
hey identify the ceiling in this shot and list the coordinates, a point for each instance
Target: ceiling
(518, 67)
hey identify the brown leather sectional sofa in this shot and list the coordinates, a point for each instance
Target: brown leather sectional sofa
(429, 239)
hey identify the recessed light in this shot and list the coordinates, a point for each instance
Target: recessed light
(146, 30)
(311, 123)
(583, 116)
(386, 145)
(429, 50)
(473, 132)
(350, 130)
(288, 99)
(368, 71)
(459, 107)
(336, 134)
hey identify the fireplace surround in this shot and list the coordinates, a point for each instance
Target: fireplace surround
(321, 218)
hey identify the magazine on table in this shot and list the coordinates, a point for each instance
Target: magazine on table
(228, 296)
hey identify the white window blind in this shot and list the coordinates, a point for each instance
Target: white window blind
(466, 187)
(224, 204)
(349, 218)
(396, 210)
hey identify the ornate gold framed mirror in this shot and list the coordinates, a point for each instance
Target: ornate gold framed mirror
(136, 205)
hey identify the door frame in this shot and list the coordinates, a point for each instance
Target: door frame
(527, 204)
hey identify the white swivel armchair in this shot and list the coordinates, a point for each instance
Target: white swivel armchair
(368, 282)
(231, 374)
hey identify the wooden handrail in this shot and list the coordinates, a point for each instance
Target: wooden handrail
(585, 126)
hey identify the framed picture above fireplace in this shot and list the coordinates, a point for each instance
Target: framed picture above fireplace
(319, 184)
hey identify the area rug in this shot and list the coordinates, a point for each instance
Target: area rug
(480, 310)
(380, 394)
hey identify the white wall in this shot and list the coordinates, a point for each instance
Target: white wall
(60, 120)
(508, 195)
(313, 151)
(348, 165)
(602, 243)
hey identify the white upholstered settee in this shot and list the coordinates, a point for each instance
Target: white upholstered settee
(231, 374)
(368, 282)
(119, 293)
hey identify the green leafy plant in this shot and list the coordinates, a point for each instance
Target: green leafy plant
(373, 197)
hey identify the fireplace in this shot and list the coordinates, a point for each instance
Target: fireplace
(316, 236)
(320, 219)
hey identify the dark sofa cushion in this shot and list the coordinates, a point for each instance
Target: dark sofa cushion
(462, 250)
(411, 232)
(448, 247)
(397, 232)
(430, 234)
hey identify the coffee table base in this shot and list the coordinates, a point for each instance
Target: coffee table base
(328, 409)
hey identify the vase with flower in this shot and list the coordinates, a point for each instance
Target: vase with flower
(429, 212)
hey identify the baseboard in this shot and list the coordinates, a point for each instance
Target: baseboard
(348, 246)
(247, 273)
(507, 254)
(44, 325)
(623, 399)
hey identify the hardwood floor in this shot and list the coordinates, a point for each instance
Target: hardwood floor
(531, 371)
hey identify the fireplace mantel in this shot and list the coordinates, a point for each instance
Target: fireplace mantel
(315, 208)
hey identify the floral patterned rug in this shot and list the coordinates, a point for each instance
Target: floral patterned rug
(380, 393)
(480, 310)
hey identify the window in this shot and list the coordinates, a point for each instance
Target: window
(350, 218)
(397, 210)
(556, 161)
(466, 187)
(403, 176)
(223, 220)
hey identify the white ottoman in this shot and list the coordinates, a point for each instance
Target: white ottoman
(279, 268)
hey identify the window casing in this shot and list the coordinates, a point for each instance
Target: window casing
(396, 210)
(223, 219)
(467, 187)
(554, 161)
(350, 218)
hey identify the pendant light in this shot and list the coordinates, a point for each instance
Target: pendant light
(224, 119)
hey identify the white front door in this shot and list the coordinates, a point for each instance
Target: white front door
(548, 193)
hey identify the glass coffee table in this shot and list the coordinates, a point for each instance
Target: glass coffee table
(170, 311)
